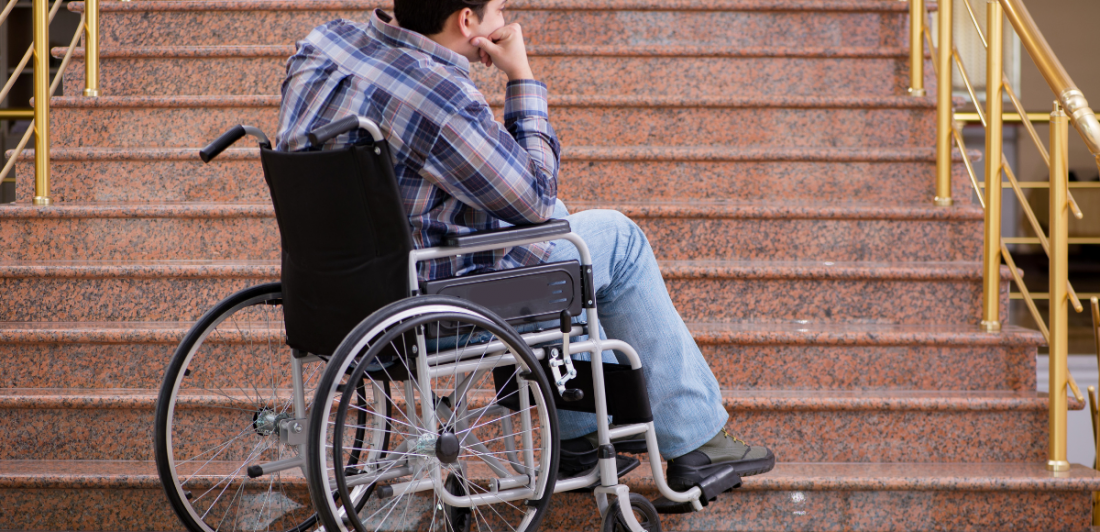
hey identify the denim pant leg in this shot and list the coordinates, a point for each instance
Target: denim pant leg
(634, 306)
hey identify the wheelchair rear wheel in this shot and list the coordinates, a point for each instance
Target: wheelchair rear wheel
(227, 388)
(472, 443)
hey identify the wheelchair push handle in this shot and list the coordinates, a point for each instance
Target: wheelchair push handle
(330, 130)
(227, 139)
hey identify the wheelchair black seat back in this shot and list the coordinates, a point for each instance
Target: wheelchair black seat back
(346, 239)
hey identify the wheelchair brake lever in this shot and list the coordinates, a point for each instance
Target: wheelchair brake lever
(569, 395)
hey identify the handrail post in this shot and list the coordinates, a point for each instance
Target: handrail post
(991, 292)
(1059, 297)
(41, 21)
(916, 47)
(91, 48)
(944, 107)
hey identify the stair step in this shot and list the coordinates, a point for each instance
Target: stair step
(717, 230)
(126, 231)
(86, 175)
(793, 496)
(711, 291)
(595, 23)
(835, 292)
(973, 497)
(795, 231)
(880, 176)
(685, 71)
(814, 355)
(75, 291)
(811, 426)
(743, 356)
(854, 123)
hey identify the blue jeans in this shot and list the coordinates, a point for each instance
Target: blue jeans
(634, 306)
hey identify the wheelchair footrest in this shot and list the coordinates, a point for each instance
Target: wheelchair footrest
(718, 482)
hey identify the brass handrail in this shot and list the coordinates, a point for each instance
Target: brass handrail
(992, 117)
(53, 88)
(1069, 96)
(88, 27)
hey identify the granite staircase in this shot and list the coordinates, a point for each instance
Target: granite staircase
(768, 148)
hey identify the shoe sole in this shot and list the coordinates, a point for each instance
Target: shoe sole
(683, 477)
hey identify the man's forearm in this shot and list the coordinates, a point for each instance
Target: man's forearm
(527, 119)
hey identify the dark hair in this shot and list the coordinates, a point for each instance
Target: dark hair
(426, 17)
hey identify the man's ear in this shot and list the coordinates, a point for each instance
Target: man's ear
(465, 19)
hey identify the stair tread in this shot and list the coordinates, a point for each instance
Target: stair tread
(787, 476)
(635, 50)
(784, 101)
(738, 208)
(623, 153)
(744, 400)
(710, 208)
(566, 5)
(858, 334)
(916, 270)
(789, 333)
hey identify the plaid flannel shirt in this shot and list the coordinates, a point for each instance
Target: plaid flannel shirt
(458, 169)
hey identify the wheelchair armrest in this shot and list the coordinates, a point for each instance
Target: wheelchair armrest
(505, 235)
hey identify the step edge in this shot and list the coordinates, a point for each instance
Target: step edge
(898, 102)
(581, 153)
(733, 400)
(588, 5)
(765, 334)
(1083, 479)
(546, 50)
(651, 209)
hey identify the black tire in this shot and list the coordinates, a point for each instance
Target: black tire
(230, 373)
(643, 510)
(411, 455)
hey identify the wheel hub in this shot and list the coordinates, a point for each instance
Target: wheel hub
(266, 421)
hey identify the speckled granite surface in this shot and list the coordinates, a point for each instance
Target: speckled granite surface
(813, 23)
(754, 72)
(717, 230)
(792, 497)
(702, 290)
(607, 175)
(811, 426)
(791, 122)
(744, 356)
(80, 291)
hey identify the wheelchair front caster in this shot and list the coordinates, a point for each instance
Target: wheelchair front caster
(643, 510)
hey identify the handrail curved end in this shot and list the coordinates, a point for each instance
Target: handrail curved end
(1083, 118)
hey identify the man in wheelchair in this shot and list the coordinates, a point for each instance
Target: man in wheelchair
(460, 171)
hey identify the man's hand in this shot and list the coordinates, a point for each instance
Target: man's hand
(505, 49)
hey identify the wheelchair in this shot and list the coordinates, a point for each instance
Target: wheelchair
(352, 395)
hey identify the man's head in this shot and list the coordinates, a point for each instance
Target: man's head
(451, 23)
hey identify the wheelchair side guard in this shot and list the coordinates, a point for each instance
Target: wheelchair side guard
(629, 403)
(519, 295)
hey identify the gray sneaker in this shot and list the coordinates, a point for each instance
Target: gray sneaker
(723, 449)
